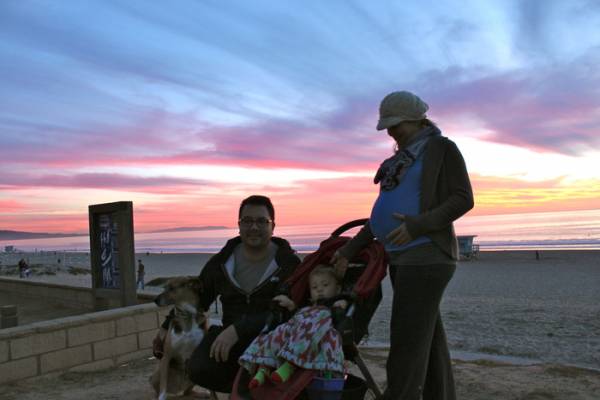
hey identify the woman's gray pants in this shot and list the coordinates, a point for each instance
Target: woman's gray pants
(419, 362)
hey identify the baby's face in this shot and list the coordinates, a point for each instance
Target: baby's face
(323, 286)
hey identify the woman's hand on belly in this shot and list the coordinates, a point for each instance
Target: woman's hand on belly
(400, 234)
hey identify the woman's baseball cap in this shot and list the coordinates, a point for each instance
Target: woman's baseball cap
(400, 106)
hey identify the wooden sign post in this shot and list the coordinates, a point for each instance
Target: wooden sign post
(112, 255)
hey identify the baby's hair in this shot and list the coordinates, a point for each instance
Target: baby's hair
(325, 269)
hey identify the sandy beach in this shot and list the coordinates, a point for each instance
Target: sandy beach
(519, 328)
(47, 268)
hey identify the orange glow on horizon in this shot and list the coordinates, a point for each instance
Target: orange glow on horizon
(327, 201)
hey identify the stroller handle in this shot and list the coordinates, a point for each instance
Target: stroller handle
(348, 226)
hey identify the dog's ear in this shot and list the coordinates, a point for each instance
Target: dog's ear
(195, 284)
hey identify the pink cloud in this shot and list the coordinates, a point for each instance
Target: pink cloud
(483, 183)
(342, 140)
(48, 221)
(327, 201)
(9, 206)
(158, 185)
(554, 109)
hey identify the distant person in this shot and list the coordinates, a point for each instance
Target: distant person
(423, 188)
(24, 271)
(140, 275)
(537, 255)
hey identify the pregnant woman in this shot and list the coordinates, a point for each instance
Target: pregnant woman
(424, 187)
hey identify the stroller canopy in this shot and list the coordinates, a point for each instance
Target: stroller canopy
(373, 256)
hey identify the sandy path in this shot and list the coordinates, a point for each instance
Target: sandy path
(476, 380)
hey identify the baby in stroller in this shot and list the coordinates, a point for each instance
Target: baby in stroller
(308, 340)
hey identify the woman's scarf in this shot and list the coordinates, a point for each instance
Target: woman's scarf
(392, 170)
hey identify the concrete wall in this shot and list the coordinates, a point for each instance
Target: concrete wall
(88, 342)
(68, 296)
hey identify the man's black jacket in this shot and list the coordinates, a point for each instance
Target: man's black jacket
(247, 311)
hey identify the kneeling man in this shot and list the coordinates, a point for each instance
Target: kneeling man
(245, 276)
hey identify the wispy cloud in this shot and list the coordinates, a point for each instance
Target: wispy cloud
(10, 206)
(494, 195)
(96, 181)
(553, 110)
(266, 87)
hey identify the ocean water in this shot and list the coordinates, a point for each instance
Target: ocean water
(549, 230)
(552, 230)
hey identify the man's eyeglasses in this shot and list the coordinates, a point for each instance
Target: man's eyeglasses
(261, 222)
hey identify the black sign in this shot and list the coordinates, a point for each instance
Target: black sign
(112, 255)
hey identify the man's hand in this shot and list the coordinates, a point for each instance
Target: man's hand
(223, 344)
(285, 302)
(399, 235)
(340, 264)
(343, 304)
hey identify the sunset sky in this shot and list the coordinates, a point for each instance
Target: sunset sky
(186, 107)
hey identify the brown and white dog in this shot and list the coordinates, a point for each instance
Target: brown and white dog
(186, 330)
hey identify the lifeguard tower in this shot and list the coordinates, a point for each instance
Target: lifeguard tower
(466, 248)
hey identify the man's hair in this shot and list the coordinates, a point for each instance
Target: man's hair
(325, 269)
(258, 200)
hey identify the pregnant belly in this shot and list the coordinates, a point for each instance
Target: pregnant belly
(382, 220)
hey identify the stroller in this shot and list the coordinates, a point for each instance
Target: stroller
(362, 283)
